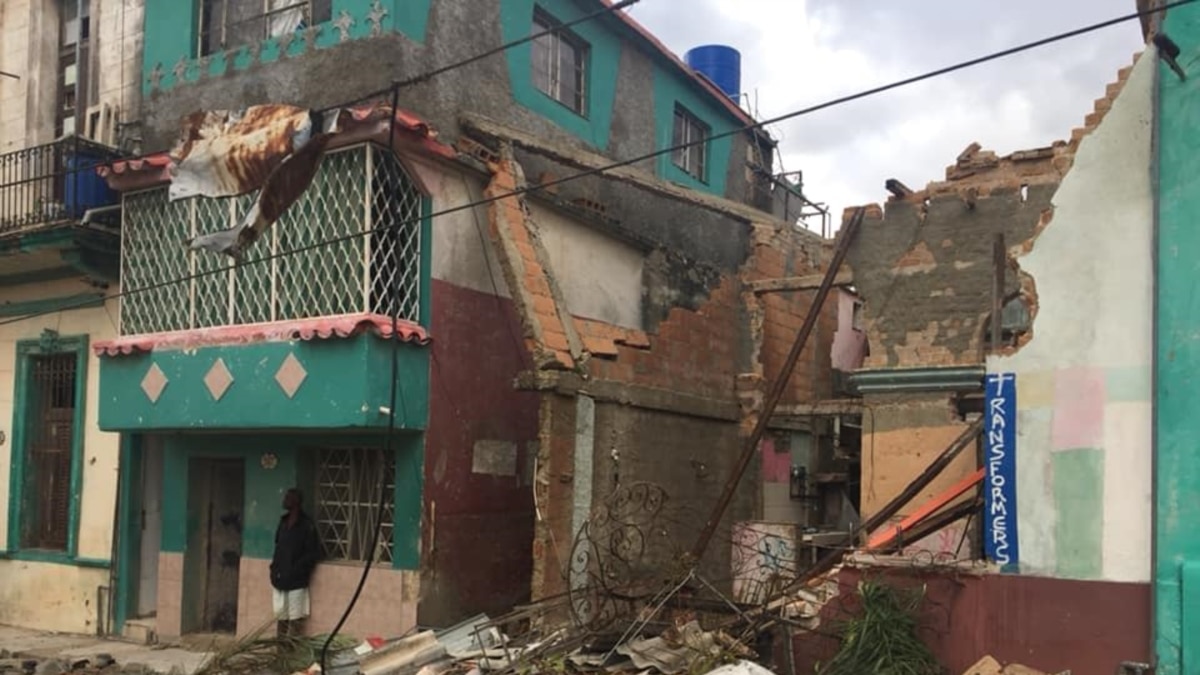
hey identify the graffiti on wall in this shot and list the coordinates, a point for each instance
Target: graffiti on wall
(1000, 495)
(764, 558)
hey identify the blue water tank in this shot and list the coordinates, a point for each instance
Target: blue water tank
(721, 64)
(84, 189)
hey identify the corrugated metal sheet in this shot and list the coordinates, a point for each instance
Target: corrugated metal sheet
(223, 153)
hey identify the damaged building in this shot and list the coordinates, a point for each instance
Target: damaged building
(287, 233)
(1016, 296)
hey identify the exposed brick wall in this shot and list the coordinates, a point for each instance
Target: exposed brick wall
(925, 272)
(549, 335)
(553, 493)
(708, 337)
(924, 266)
(692, 351)
(784, 252)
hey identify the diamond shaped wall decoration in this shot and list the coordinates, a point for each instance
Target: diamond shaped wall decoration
(154, 382)
(218, 379)
(291, 375)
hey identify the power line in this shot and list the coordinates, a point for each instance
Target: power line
(636, 160)
(387, 451)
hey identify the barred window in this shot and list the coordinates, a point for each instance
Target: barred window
(346, 498)
(226, 24)
(559, 63)
(50, 418)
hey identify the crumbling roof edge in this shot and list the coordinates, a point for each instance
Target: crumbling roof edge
(974, 167)
(586, 160)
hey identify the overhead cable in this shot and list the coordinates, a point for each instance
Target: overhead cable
(636, 160)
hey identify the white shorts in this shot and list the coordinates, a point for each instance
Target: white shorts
(290, 605)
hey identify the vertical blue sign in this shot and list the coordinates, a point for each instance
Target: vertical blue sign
(1000, 487)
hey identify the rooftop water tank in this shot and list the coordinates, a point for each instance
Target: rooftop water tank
(721, 64)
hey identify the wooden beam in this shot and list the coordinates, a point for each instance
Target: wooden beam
(887, 535)
(805, 283)
(831, 407)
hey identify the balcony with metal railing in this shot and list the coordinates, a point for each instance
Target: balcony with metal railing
(350, 245)
(52, 184)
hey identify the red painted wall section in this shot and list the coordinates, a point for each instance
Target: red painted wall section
(1052, 625)
(478, 525)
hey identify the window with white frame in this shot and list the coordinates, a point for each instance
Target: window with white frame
(346, 501)
(689, 137)
(226, 24)
(560, 63)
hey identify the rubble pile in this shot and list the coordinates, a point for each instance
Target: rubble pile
(990, 666)
(21, 664)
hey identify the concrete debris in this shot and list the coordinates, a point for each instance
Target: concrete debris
(101, 664)
(988, 665)
(680, 649)
(477, 647)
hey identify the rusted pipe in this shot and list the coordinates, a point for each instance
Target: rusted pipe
(780, 384)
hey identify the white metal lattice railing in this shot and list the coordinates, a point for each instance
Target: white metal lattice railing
(355, 191)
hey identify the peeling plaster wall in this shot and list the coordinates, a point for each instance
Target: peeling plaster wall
(600, 276)
(1083, 381)
(71, 605)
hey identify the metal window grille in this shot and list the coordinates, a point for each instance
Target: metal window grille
(559, 64)
(354, 192)
(226, 24)
(50, 419)
(347, 496)
(694, 158)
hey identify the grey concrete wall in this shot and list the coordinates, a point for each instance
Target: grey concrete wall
(458, 29)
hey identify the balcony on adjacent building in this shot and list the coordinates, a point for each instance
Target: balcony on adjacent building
(52, 184)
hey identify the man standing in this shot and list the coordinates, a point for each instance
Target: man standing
(297, 549)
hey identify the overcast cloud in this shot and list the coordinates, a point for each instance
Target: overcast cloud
(796, 53)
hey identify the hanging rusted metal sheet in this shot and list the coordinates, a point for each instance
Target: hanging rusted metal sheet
(224, 153)
(275, 149)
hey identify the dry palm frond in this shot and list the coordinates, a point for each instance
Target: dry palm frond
(256, 652)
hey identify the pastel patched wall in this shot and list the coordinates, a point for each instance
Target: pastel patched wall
(1083, 381)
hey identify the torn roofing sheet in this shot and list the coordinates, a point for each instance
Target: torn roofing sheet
(275, 149)
(223, 153)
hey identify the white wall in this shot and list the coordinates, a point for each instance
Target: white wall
(600, 276)
(1083, 382)
(66, 599)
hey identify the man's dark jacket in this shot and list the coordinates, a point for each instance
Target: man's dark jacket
(297, 550)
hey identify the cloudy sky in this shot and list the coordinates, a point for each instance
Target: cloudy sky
(796, 53)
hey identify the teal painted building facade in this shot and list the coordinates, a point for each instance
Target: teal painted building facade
(629, 87)
(1177, 462)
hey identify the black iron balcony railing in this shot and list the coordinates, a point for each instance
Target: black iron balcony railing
(52, 183)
